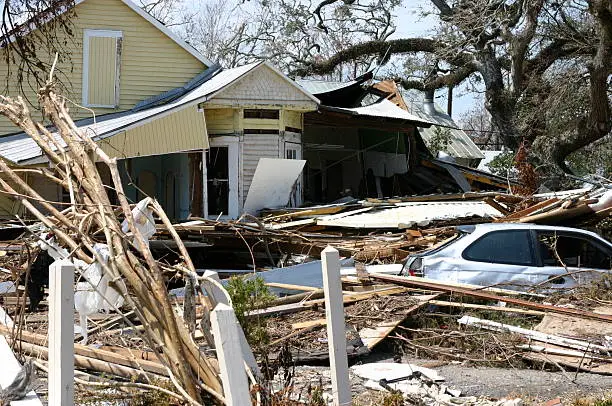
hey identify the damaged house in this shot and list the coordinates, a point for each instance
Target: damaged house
(183, 129)
(365, 140)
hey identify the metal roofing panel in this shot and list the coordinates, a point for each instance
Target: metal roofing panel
(20, 147)
(322, 86)
(460, 146)
(384, 109)
(405, 215)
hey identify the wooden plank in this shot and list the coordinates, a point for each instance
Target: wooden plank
(289, 286)
(61, 334)
(291, 224)
(529, 210)
(371, 337)
(485, 307)
(403, 281)
(534, 335)
(229, 353)
(471, 286)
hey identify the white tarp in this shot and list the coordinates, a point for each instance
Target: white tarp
(272, 183)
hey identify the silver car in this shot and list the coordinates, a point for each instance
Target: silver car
(520, 256)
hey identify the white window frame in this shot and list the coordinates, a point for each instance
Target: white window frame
(87, 34)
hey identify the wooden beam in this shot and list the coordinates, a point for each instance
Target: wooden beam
(402, 281)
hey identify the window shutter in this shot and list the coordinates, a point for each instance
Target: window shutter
(102, 67)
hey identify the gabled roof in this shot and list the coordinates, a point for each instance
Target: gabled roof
(165, 30)
(21, 149)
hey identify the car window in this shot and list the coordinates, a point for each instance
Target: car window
(503, 247)
(573, 250)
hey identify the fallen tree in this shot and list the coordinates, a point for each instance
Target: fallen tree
(131, 268)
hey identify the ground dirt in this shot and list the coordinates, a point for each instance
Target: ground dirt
(533, 386)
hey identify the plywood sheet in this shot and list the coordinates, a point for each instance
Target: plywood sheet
(272, 183)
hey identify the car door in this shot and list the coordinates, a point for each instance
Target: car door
(577, 258)
(503, 257)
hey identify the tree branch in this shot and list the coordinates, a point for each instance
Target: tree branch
(397, 46)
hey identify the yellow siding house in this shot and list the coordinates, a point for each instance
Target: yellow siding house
(153, 101)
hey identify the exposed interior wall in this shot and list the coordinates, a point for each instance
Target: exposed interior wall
(345, 161)
(151, 63)
(257, 138)
(164, 177)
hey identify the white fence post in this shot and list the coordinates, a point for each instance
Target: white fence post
(336, 328)
(61, 333)
(229, 353)
(216, 296)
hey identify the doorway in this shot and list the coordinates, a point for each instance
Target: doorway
(222, 178)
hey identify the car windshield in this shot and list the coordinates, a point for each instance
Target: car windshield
(443, 244)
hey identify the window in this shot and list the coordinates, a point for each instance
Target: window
(573, 250)
(261, 113)
(291, 153)
(511, 247)
(101, 68)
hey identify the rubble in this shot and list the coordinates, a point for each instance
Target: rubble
(147, 289)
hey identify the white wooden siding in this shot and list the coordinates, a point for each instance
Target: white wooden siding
(255, 146)
(264, 87)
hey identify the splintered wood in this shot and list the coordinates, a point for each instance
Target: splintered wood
(91, 218)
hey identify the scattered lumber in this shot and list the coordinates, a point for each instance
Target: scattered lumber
(403, 281)
(535, 335)
(41, 341)
(501, 309)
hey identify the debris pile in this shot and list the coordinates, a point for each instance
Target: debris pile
(147, 290)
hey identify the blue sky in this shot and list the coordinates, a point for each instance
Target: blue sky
(411, 23)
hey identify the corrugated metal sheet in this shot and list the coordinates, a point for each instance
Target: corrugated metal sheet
(323, 86)
(461, 145)
(405, 215)
(256, 146)
(382, 109)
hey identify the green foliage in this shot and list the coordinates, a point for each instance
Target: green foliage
(501, 164)
(316, 397)
(593, 159)
(393, 399)
(440, 140)
(249, 294)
